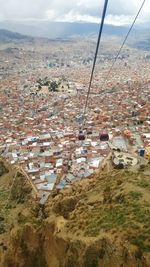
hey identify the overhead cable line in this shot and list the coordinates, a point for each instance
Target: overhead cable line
(117, 56)
(96, 53)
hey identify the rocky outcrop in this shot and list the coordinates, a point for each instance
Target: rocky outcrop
(102, 222)
(47, 249)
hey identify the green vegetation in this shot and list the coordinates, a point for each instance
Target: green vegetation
(108, 218)
(3, 169)
(3, 195)
(53, 86)
(20, 192)
(143, 183)
(22, 219)
(139, 241)
(43, 82)
(116, 209)
(140, 214)
(135, 195)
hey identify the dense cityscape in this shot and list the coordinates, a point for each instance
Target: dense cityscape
(74, 133)
(43, 92)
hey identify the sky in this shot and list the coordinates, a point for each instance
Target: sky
(120, 12)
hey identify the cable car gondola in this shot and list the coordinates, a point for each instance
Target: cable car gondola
(104, 137)
(81, 136)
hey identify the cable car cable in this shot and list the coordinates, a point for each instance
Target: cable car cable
(117, 56)
(96, 53)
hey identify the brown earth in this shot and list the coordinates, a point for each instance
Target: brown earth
(101, 222)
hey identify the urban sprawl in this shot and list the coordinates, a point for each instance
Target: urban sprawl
(42, 123)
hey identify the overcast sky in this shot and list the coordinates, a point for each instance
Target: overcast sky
(120, 12)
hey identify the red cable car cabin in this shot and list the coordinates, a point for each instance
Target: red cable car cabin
(104, 137)
(81, 137)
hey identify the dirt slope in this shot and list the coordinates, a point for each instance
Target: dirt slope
(99, 222)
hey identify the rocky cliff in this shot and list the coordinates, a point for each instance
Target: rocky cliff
(99, 222)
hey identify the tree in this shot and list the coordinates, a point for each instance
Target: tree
(53, 86)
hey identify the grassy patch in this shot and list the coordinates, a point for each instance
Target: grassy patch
(140, 214)
(139, 241)
(143, 183)
(134, 195)
(3, 195)
(108, 218)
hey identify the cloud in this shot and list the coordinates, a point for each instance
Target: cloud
(120, 12)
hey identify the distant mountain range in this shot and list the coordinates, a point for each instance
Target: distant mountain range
(6, 35)
(55, 30)
(139, 36)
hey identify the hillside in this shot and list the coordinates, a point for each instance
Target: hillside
(103, 221)
(6, 35)
(54, 30)
(17, 31)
